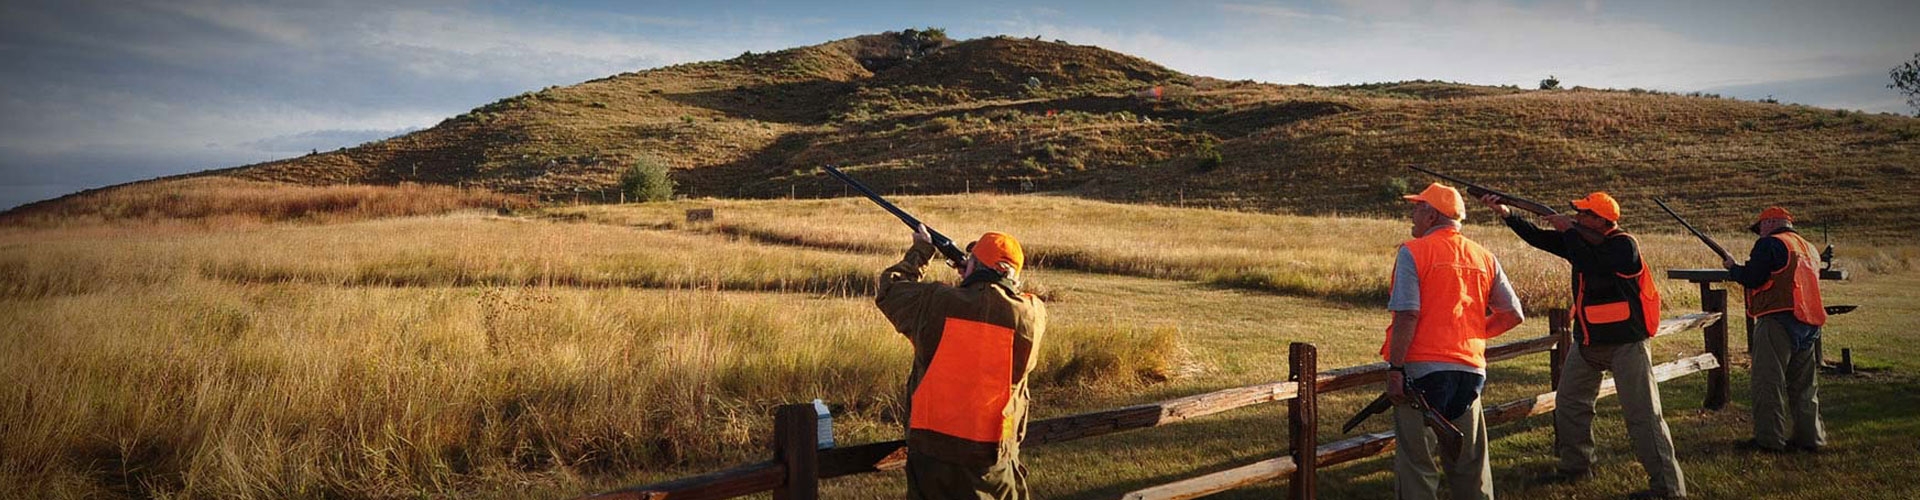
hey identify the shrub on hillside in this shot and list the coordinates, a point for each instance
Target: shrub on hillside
(1207, 156)
(647, 180)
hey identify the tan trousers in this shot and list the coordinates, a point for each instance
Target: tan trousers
(1415, 477)
(1778, 367)
(1639, 398)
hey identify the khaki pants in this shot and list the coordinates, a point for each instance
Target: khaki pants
(1777, 366)
(929, 478)
(1469, 476)
(1639, 398)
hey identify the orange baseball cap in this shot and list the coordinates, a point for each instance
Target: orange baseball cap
(1600, 204)
(1000, 252)
(1769, 213)
(1444, 199)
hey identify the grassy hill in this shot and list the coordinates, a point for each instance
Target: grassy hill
(915, 113)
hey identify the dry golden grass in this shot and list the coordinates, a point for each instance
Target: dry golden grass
(202, 388)
(1342, 259)
(227, 202)
(478, 355)
(440, 355)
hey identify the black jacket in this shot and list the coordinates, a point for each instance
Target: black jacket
(1598, 271)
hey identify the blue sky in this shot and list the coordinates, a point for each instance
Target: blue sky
(94, 93)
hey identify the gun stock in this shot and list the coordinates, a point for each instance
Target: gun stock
(1713, 245)
(1444, 431)
(941, 242)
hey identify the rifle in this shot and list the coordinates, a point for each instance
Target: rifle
(1475, 190)
(1443, 429)
(941, 242)
(1717, 249)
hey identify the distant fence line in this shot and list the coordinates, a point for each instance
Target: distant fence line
(797, 467)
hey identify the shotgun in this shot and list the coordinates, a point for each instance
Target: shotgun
(1476, 191)
(1717, 249)
(1443, 429)
(947, 249)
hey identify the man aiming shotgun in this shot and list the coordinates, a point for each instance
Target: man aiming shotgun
(973, 346)
(1616, 308)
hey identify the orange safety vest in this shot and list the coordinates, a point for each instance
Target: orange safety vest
(968, 387)
(1795, 287)
(1456, 277)
(1645, 311)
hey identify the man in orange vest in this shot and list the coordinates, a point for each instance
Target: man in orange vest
(973, 346)
(1444, 286)
(1615, 310)
(1783, 297)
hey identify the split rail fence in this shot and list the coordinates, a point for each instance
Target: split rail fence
(797, 467)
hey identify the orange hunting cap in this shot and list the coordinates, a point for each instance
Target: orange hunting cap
(1770, 213)
(1000, 252)
(1600, 204)
(1444, 199)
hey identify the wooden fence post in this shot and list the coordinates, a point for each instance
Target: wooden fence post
(1303, 419)
(1715, 301)
(1560, 326)
(795, 447)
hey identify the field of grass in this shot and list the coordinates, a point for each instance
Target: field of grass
(228, 202)
(575, 349)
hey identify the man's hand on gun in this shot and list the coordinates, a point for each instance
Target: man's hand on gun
(922, 235)
(1493, 203)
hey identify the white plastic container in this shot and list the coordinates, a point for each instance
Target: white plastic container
(823, 424)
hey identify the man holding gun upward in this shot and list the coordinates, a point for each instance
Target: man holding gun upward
(1783, 297)
(1444, 286)
(973, 346)
(1615, 309)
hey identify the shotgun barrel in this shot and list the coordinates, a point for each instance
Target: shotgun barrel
(1714, 245)
(953, 254)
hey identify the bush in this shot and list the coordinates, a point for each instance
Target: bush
(647, 180)
(1207, 156)
(1550, 83)
(1392, 188)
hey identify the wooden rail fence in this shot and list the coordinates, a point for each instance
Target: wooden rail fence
(796, 467)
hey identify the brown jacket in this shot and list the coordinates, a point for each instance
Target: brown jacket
(922, 311)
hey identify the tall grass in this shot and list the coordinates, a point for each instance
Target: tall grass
(202, 388)
(228, 201)
(465, 250)
(284, 361)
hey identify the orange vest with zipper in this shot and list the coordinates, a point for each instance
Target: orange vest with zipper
(1795, 287)
(1456, 277)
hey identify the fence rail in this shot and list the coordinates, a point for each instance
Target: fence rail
(786, 473)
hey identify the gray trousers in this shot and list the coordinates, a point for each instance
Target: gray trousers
(1469, 476)
(1782, 372)
(1639, 398)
